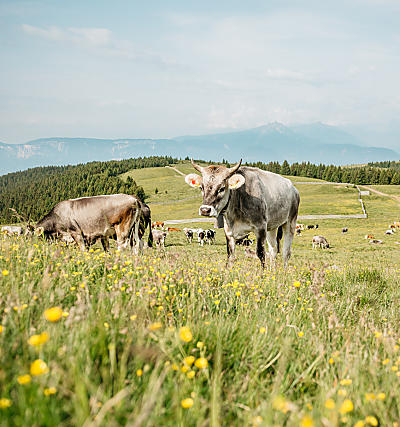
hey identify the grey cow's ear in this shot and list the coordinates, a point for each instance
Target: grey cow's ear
(193, 180)
(235, 181)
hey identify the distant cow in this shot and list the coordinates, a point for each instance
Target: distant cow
(89, 219)
(312, 226)
(390, 231)
(210, 236)
(320, 242)
(369, 236)
(300, 227)
(376, 242)
(189, 234)
(173, 229)
(12, 230)
(158, 224)
(246, 241)
(159, 238)
(249, 200)
(201, 236)
(345, 230)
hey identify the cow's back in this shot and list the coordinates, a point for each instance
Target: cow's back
(97, 214)
(267, 195)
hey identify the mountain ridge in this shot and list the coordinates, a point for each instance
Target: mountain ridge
(317, 143)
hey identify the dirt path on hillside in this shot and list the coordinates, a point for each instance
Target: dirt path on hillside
(176, 170)
(392, 196)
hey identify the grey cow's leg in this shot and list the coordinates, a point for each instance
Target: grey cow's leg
(230, 248)
(288, 233)
(261, 236)
(79, 240)
(272, 246)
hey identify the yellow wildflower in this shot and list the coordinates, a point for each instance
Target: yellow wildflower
(347, 406)
(155, 326)
(189, 360)
(139, 372)
(40, 339)
(346, 381)
(49, 391)
(300, 334)
(187, 403)
(262, 330)
(191, 374)
(5, 272)
(185, 334)
(53, 314)
(381, 396)
(24, 379)
(330, 404)
(200, 344)
(5, 403)
(371, 420)
(370, 396)
(307, 421)
(1, 328)
(359, 424)
(201, 363)
(39, 367)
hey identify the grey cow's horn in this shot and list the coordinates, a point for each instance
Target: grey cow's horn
(196, 166)
(233, 169)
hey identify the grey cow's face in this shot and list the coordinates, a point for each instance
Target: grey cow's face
(215, 184)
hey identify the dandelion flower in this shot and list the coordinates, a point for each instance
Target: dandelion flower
(371, 420)
(381, 396)
(347, 406)
(53, 314)
(346, 381)
(201, 363)
(5, 272)
(307, 421)
(359, 423)
(191, 374)
(187, 403)
(330, 404)
(296, 284)
(185, 334)
(189, 360)
(24, 379)
(40, 339)
(300, 334)
(200, 344)
(331, 361)
(39, 367)
(155, 326)
(262, 330)
(370, 396)
(49, 391)
(1, 328)
(5, 403)
(139, 372)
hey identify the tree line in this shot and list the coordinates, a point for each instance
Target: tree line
(354, 175)
(36, 191)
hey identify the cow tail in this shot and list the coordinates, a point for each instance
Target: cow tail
(279, 237)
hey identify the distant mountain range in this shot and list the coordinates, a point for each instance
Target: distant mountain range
(317, 143)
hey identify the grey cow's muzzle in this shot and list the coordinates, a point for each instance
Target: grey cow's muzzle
(207, 210)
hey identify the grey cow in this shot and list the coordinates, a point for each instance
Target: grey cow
(319, 242)
(91, 218)
(249, 200)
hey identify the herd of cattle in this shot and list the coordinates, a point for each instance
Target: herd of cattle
(242, 200)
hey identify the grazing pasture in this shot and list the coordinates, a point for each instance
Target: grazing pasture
(172, 337)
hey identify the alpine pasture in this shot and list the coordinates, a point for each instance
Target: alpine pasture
(172, 337)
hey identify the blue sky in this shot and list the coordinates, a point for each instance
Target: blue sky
(112, 69)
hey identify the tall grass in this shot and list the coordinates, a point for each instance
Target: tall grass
(317, 344)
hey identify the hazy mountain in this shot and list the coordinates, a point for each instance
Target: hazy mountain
(317, 143)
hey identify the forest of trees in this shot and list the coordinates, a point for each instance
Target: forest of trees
(353, 175)
(35, 191)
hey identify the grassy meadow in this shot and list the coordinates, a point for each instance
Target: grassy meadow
(173, 337)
